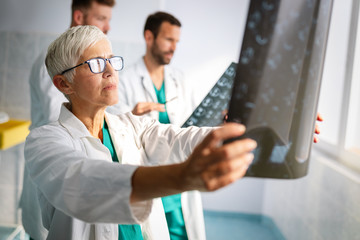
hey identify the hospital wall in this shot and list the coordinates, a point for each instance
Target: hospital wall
(320, 206)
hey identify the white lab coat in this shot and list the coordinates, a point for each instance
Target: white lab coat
(46, 102)
(135, 85)
(82, 193)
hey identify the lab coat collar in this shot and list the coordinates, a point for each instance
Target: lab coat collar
(141, 68)
(146, 79)
(77, 129)
(117, 130)
(115, 126)
(171, 84)
(68, 120)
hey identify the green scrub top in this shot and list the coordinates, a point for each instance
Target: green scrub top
(160, 94)
(172, 204)
(126, 232)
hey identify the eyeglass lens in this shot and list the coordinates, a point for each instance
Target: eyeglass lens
(117, 63)
(97, 65)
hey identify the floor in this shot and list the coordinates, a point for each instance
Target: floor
(219, 225)
(229, 226)
(12, 233)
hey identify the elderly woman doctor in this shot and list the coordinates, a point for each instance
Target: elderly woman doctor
(98, 175)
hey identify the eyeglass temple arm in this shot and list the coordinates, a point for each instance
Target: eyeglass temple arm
(73, 67)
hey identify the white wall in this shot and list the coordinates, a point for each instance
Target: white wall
(51, 16)
(35, 16)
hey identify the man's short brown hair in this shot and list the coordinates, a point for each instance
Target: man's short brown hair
(86, 4)
(154, 21)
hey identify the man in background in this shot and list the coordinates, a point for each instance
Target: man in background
(151, 87)
(45, 98)
(46, 102)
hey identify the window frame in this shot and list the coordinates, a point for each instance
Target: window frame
(351, 91)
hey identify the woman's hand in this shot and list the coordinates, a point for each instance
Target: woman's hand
(213, 165)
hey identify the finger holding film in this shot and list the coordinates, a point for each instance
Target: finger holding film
(317, 129)
(230, 150)
(214, 182)
(216, 137)
(228, 165)
(319, 117)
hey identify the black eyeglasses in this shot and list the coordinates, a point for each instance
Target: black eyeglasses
(98, 64)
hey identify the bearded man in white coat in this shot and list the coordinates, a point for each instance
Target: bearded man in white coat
(151, 87)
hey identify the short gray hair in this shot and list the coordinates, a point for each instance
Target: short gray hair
(66, 50)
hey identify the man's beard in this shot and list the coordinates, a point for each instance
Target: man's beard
(159, 56)
(85, 22)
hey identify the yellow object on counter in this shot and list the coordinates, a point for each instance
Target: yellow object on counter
(13, 132)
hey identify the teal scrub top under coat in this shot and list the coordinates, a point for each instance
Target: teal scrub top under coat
(172, 204)
(160, 94)
(126, 232)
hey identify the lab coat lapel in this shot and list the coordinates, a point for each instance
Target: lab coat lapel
(148, 87)
(92, 146)
(68, 120)
(171, 92)
(118, 135)
(147, 82)
(171, 85)
(128, 148)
